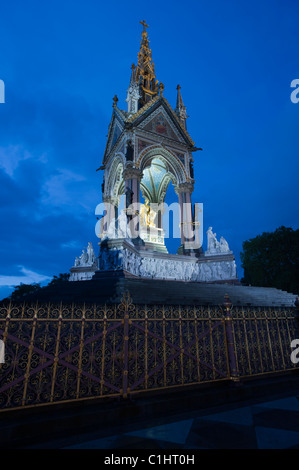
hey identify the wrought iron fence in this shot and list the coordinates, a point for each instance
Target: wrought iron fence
(56, 354)
(262, 340)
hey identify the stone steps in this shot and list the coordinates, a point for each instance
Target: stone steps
(107, 290)
(189, 293)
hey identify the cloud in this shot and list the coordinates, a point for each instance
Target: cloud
(56, 191)
(29, 277)
(11, 156)
(71, 244)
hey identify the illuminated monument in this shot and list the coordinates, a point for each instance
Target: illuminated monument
(149, 147)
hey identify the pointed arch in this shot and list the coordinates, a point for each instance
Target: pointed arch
(172, 162)
(113, 177)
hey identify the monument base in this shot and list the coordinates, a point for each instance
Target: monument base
(143, 262)
(153, 238)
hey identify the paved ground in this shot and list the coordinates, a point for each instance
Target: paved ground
(267, 425)
(261, 414)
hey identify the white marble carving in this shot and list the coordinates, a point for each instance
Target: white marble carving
(83, 259)
(212, 241)
(214, 246)
(133, 96)
(224, 248)
(122, 230)
(87, 257)
(90, 253)
(81, 276)
(156, 266)
(111, 232)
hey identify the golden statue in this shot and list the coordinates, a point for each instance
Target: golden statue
(147, 215)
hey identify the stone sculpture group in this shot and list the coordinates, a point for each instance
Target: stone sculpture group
(155, 266)
(215, 246)
(87, 257)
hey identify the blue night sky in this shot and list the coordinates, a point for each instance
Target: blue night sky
(63, 61)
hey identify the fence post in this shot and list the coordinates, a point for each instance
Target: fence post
(125, 302)
(234, 376)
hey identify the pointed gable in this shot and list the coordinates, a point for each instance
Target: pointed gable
(116, 133)
(158, 117)
(160, 125)
(115, 130)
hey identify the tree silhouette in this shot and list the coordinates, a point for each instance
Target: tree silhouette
(272, 260)
(24, 289)
(62, 277)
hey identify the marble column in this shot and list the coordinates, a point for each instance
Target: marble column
(184, 191)
(196, 226)
(132, 178)
(111, 208)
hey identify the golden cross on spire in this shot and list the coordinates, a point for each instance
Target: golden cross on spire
(144, 24)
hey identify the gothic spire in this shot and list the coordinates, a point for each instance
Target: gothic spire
(132, 80)
(180, 109)
(133, 94)
(145, 71)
